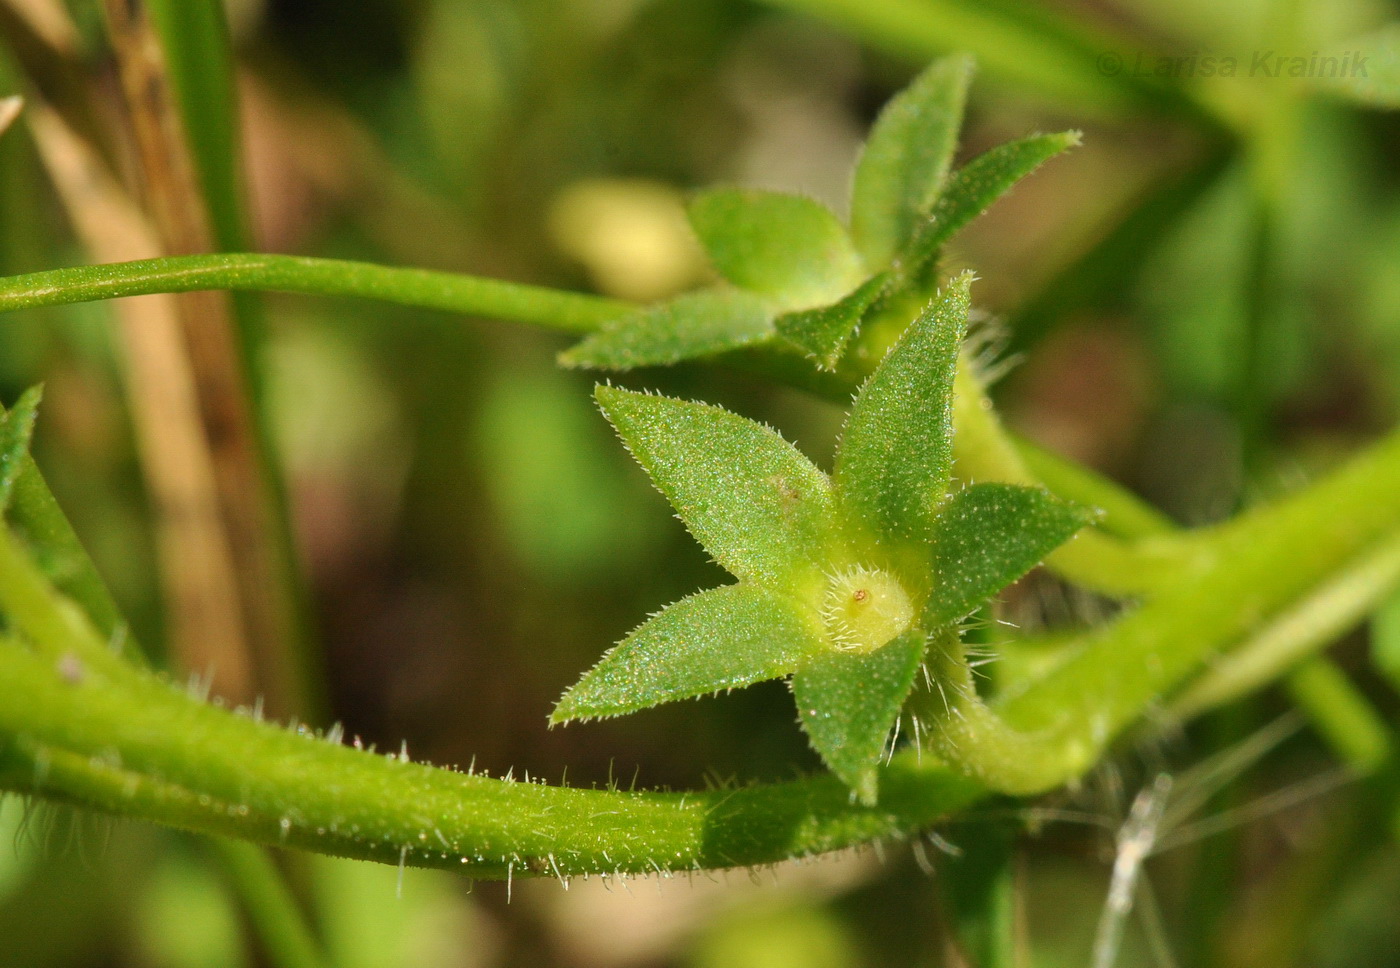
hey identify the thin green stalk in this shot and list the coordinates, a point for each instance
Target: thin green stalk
(270, 906)
(985, 450)
(451, 292)
(1056, 56)
(1341, 714)
(1289, 638)
(1254, 569)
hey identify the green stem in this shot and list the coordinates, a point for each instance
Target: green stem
(1335, 606)
(1251, 571)
(138, 747)
(271, 908)
(1341, 714)
(190, 765)
(452, 292)
(985, 449)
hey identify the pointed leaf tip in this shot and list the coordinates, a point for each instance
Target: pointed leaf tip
(896, 452)
(697, 324)
(904, 165)
(713, 641)
(16, 431)
(755, 503)
(823, 333)
(849, 702)
(988, 536)
(972, 189)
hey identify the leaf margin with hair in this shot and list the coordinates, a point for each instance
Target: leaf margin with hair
(713, 641)
(906, 159)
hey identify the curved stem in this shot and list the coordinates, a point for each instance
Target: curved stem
(1250, 572)
(133, 745)
(452, 292)
(155, 753)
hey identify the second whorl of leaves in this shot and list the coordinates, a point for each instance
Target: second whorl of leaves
(795, 279)
(843, 579)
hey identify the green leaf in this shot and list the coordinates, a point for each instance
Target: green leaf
(973, 188)
(785, 247)
(194, 38)
(988, 536)
(849, 702)
(747, 495)
(906, 160)
(822, 333)
(697, 324)
(719, 639)
(16, 429)
(1385, 640)
(896, 451)
(1366, 71)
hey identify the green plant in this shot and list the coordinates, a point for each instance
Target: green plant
(857, 584)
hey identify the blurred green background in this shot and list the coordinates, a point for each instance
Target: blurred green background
(1205, 315)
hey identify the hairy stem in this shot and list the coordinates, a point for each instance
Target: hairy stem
(451, 292)
(133, 745)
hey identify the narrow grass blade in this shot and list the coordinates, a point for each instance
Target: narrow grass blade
(195, 40)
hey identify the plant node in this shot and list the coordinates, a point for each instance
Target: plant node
(865, 608)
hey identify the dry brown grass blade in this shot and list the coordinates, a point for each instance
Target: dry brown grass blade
(196, 561)
(215, 353)
(10, 109)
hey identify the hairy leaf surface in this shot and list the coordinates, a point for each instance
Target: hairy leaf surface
(790, 249)
(754, 502)
(904, 164)
(16, 429)
(972, 189)
(988, 536)
(896, 451)
(716, 640)
(849, 702)
(822, 333)
(696, 324)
